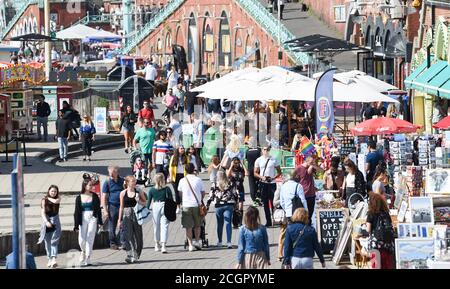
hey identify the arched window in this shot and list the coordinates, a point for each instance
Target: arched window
(224, 41)
(168, 43)
(367, 36)
(191, 38)
(387, 37)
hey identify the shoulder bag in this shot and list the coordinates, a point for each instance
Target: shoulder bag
(170, 207)
(296, 201)
(259, 187)
(285, 263)
(143, 214)
(201, 206)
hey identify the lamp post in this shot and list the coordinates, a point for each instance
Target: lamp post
(48, 52)
(279, 32)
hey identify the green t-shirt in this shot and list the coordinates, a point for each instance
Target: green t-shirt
(158, 195)
(146, 138)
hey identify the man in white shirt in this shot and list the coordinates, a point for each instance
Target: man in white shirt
(150, 73)
(190, 216)
(265, 167)
(179, 92)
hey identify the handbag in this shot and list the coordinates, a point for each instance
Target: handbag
(279, 217)
(143, 214)
(201, 206)
(170, 208)
(259, 186)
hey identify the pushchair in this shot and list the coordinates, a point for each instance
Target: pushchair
(205, 242)
(138, 167)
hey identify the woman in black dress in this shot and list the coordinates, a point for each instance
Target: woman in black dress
(236, 173)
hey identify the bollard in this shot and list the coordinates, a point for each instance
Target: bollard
(24, 152)
(6, 151)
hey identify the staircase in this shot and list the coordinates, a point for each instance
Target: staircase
(269, 23)
(16, 17)
(157, 20)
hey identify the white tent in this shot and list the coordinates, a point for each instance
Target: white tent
(276, 83)
(78, 31)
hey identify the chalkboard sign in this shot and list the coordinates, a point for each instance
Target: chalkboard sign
(329, 222)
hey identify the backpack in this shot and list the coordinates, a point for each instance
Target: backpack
(296, 201)
(170, 207)
(383, 231)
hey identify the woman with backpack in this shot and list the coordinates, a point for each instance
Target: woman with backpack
(87, 131)
(224, 197)
(381, 232)
(160, 194)
(301, 243)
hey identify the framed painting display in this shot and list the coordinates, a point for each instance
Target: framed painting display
(402, 211)
(413, 253)
(437, 182)
(421, 209)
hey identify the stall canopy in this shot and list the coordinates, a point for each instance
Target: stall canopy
(78, 31)
(277, 83)
(321, 43)
(103, 36)
(443, 123)
(432, 80)
(33, 37)
(383, 126)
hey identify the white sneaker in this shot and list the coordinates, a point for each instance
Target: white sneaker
(156, 246)
(197, 245)
(191, 248)
(49, 263)
(178, 210)
(53, 263)
(229, 245)
(82, 259)
(163, 248)
(219, 244)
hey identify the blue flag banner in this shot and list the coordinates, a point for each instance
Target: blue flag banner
(324, 103)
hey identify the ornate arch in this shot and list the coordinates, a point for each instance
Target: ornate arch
(224, 41)
(441, 40)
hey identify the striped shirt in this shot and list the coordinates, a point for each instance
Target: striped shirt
(161, 150)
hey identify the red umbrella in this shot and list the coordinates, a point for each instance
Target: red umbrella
(383, 125)
(443, 123)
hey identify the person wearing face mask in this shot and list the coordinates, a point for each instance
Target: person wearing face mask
(306, 172)
(267, 169)
(51, 225)
(146, 113)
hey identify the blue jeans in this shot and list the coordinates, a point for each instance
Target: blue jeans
(224, 213)
(51, 240)
(302, 263)
(63, 147)
(113, 212)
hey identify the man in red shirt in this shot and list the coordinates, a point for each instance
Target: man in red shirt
(147, 113)
(306, 172)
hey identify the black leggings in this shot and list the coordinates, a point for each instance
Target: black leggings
(267, 194)
(86, 143)
(178, 177)
(252, 183)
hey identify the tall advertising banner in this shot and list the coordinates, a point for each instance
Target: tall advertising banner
(100, 119)
(324, 102)
(18, 216)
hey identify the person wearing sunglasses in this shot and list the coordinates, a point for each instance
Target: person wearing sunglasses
(267, 169)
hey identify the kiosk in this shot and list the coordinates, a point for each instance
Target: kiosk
(21, 108)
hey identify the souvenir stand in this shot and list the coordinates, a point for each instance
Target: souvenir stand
(14, 81)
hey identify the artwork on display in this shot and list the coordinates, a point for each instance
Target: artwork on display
(404, 230)
(413, 253)
(437, 182)
(342, 240)
(441, 235)
(114, 120)
(402, 211)
(421, 209)
(399, 195)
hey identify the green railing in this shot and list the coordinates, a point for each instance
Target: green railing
(17, 16)
(159, 18)
(277, 30)
(105, 18)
